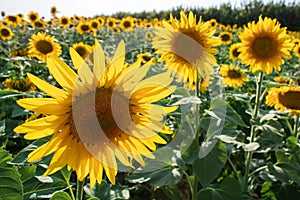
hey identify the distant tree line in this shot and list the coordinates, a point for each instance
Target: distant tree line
(288, 14)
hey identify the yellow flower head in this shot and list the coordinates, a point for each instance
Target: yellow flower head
(264, 45)
(225, 37)
(187, 47)
(100, 114)
(233, 76)
(5, 33)
(284, 98)
(82, 49)
(41, 46)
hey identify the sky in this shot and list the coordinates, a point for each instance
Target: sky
(90, 8)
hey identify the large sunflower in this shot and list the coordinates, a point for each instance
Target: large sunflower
(99, 116)
(42, 45)
(232, 76)
(284, 98)
(6, 33)
(264, 45)
(186, 46)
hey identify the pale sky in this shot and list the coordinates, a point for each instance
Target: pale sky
(90, 8)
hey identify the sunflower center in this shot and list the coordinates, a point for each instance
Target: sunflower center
(262, 46)
(127, 24)
(234, 74)
(12, 18)
(236, 53)
(187, 47)
(64, 21)
(111, 111)
(85, 27)
(81, 51)
(146, 58)
(44, 47)
(110, 24)
(225, 37)
(95, 25)
(33, 17)
(5, 32)
(290, 99)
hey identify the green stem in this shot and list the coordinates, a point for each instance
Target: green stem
(259, 81)
(197, 94)
(79, 193)
(189, 181)
(296, 126)
(69, 186)
(234, 169)
(195, 188)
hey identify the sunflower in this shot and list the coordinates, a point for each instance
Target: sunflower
(33, 16)
(127, 23)
(22, 85)
(53, 11)
(64, 21)
(225, 37)
(110, 22)
(41, 46)
(233, 51)
(213, 23)
(13, 20)
(264, 45)
(232, 76)
(6, 33)
(83, 27)
(19, 53)
(39, 24)
(99, 116)
(280, 79)
(101, 20)
(145, 57)
(95, 25)
(284, 98)
(2, 13)
(296, 41)
(82, 49)
(296, 50)
(186, 46)
(149, 36)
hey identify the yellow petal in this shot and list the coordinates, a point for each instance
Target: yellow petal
(62, 73)
(44, 106)
(48, 88)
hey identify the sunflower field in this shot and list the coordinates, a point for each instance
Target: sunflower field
(182, 107)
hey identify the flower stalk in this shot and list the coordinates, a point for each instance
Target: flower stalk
(254, 119)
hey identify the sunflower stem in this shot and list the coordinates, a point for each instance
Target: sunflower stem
(296, 126)
(249, 154)
(79, 193)
(69, 185)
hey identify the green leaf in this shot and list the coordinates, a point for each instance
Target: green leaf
(209, 167)
(10, 182)
(230, 189)
(287, 167)
(165, 169)
(61, 196)
(106, 191)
